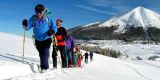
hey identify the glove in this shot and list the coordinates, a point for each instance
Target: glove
(65, 38)
(25, 23)
(50, 32)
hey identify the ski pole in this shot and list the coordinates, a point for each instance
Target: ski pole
(33, 40)
(24, 35)
(54, 45)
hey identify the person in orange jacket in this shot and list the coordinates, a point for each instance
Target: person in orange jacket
(60, 36)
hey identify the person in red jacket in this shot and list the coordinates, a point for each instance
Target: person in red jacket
(80, 58)
(60, 36)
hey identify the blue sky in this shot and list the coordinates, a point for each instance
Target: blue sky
(73, 12)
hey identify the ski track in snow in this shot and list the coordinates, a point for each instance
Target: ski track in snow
(138, 72)
(158, 67)
(30, 62)
(51, 74)
(33, 63)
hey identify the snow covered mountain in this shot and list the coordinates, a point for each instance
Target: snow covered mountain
(101, 68)
(139, 16)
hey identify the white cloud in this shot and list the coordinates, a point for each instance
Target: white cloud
(102, 3)
(120, 8)
(115, 5)
(95, 9)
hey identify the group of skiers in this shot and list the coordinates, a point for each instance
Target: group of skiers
(45, 33)
(87, 55)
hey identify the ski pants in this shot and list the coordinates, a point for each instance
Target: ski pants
(75, 60)
(91, 57)
(62, 50)
(69, 57)
(43, 49)
(79, 62)
(86, 60)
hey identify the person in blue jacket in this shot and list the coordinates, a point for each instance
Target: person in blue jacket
(43, 29)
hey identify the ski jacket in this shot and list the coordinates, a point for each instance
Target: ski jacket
(60, 36)
(86, 55)
(91, 54)
(75, 56)
(40, 27)
(69, 43)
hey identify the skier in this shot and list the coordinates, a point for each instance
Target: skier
(43, 28)
(86, 57)
(80, 58)
(75, 57)
(91, 56)
(60, 36)
(69, 48)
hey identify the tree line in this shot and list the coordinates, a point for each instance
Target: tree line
(109, 33)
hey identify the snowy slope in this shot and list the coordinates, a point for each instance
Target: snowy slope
(101, 68)
(13, 44)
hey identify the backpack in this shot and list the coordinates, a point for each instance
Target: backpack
(34, 18)
(46, 13)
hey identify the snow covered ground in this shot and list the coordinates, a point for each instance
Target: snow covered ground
(133, 50)
(101, 68)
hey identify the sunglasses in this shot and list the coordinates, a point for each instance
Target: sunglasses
(39, 12)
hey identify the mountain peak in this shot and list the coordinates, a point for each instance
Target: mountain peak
(139, 8)
(139, 16)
